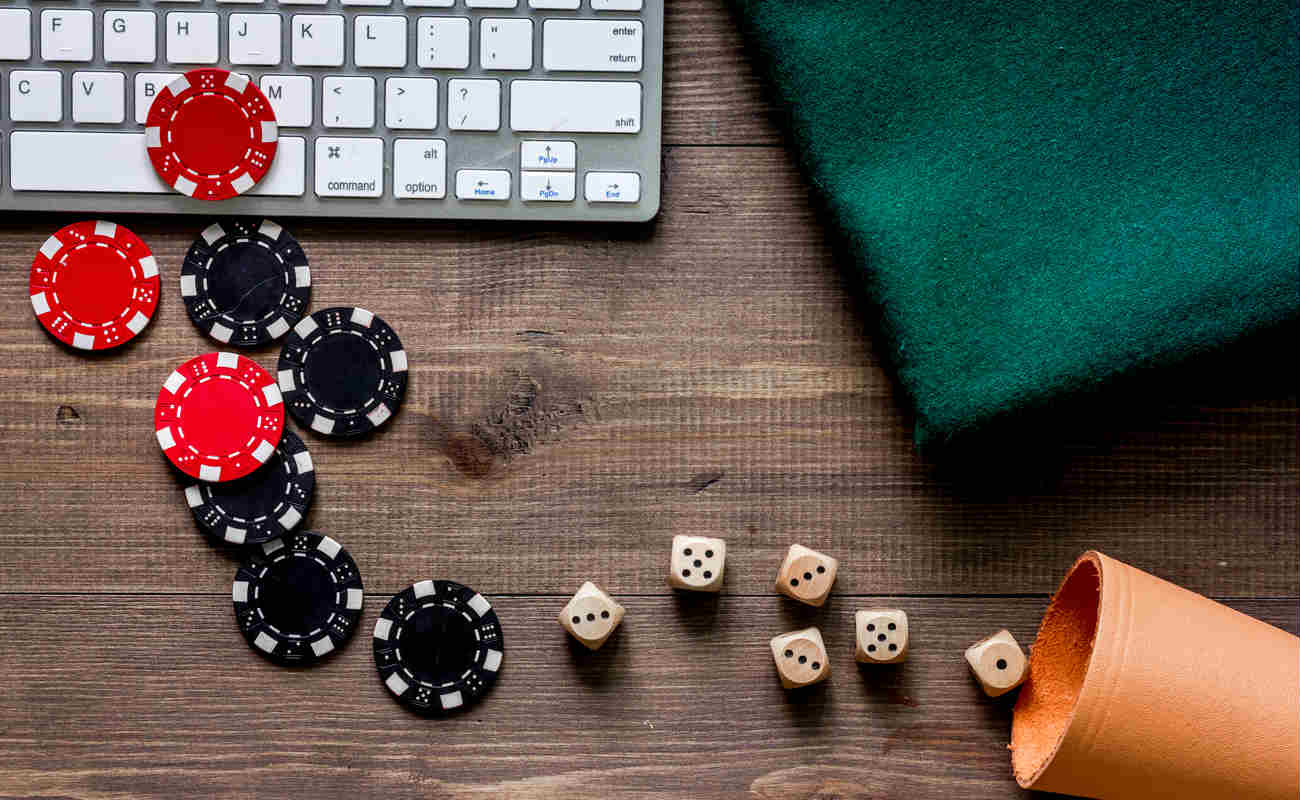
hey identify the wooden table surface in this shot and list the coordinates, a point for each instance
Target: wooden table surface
(578, 395)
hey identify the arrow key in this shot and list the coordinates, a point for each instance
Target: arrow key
(483, 184)
(613, 187)
(556, 187)
(534, 154)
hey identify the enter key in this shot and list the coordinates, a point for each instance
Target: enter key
(585, 45)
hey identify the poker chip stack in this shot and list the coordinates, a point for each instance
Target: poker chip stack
(219, 418)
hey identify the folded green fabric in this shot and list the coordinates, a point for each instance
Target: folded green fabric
(1046, 195)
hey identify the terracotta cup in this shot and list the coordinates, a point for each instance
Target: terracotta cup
(1141, 689)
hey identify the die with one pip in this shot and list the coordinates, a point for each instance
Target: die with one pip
(998, 663)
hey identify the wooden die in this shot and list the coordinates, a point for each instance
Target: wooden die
(801, 658)
(882, 636)
(806, 575)
(998, 663)
(697, 563)
(591, 616)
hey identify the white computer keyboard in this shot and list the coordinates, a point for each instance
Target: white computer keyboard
(461, 109)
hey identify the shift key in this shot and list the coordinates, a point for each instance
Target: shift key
(348, 167)
(575, 106)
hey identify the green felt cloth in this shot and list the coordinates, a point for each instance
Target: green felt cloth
(1043, 195)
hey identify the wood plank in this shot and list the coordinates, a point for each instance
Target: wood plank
(149, 696)
(712, 94)
(579, 395)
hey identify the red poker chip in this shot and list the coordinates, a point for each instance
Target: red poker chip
(219, 417)
(211, 134)
(94, 285)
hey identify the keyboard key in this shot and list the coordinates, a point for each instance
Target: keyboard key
(65, 161)
(99, 97)
(379, 41)
(303, 2)
(67, 35)
(411, 103)
(254, 39)
(287, 176)
(575, 106)
(442, 42)
(317, 40)
(15, 34)
(548, 155)
(367, 2)
(615, 5)
(192, 37)
(88, 162)
(147, 87)
(35, 95)
(130, 37)
(473, 105)
(429, 3)
(420, 168)
(613, 187)
(483, 184)
(553, 187)
(565, 5)
(291, 99)
(348, 102)
(349, 167)
(505, 44)
(589, 45)
(491, 3)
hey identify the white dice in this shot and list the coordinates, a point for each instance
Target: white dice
(591, 616)
(882, 636)
(806, 575)
(998, 663)
(697, 563)
(800, 658)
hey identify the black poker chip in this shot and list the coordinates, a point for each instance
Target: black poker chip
(438, 647)
(342, 372)
(261, 506)
(245, 283)
(298, 599)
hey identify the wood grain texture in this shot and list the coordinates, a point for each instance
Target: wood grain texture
(107, 700)
(580, 394)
